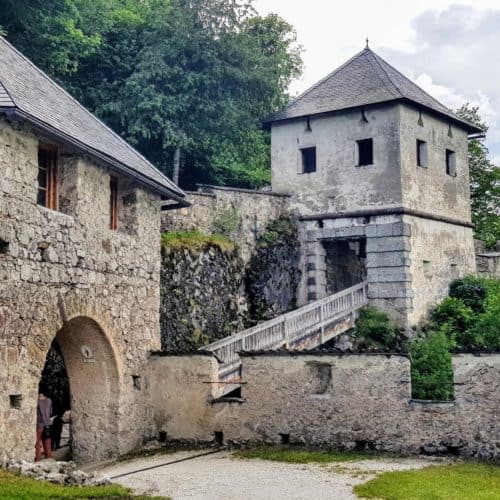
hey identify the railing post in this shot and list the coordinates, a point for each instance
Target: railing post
(285, 333)
(322, 323)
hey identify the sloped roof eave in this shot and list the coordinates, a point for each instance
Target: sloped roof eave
(152, 184)
(469, 127)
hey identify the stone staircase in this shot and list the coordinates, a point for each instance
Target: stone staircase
(305, 328)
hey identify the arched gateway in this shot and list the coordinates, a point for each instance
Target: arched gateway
(94, 388)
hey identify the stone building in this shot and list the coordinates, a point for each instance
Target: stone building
(378, 174)
(79, 265)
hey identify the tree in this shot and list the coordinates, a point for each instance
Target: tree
(193, 76)
(53, 33)
(484, 182)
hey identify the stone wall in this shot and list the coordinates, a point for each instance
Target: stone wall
(202, 295)
(440, 253)
(252, 210)
(66, 273)
(344, 401)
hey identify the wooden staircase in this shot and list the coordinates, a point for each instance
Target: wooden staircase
(305, 328)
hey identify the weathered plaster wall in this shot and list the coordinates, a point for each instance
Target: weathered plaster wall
(430, 189)
(253, 210)
(338, 184)
(56, 264)
(347, 401)
(440, 253)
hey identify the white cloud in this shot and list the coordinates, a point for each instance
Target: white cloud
(453, 99)
(453, 50)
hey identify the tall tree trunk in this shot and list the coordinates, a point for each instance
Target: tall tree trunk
(177, 165)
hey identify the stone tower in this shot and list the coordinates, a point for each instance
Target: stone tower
(379, 177)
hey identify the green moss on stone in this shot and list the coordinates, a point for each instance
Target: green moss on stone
(195, 240)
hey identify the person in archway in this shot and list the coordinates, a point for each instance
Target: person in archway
(43, 424)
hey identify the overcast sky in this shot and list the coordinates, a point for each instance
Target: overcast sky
(451, 49)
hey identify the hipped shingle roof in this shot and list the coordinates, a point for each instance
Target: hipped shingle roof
(364, 80)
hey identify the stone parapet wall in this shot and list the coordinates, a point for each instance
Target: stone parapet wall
(345, 401)
(253, 210)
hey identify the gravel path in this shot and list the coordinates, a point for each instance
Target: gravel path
(222, 477)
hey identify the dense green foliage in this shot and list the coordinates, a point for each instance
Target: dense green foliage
(471, 291)
(374, 330)
(431, 370)
(442, 482)
(484, 183)
(193, 75)
(469, 319)
(14, 486)
(471, 315)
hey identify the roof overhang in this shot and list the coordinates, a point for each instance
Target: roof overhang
(152, 184)
(470, 128)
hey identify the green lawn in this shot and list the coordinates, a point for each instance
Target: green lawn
(14, 486)
(477, 481)
(302, 456)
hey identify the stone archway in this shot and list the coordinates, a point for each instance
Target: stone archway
(94, 386)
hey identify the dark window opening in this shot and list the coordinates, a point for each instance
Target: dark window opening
(113, 203)
(365, 152)
(421, 153)
(285, 438)
(47, 177)
(219, 438)
(451, 168)
(136, 379)
(15, 401)
(162, 437)
(308, 160)
(4, 246)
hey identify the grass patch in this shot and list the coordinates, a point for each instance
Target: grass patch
(195, 240)
(447, 482)
(302, 456)
(15, 486)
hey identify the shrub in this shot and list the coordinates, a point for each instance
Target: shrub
(228, 222)
(455, 313)
(278, 230)
(431, 370)
(471, 291)
(375, 328)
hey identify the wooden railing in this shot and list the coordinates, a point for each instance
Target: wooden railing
(306, 327)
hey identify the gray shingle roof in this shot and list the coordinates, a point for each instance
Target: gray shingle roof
(26, 89)
(363, 80)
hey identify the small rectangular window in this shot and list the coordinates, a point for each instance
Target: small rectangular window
(365, 152)
(47, 177)
(421, 153)
(113, 203)
(451, 167)
(308, 160)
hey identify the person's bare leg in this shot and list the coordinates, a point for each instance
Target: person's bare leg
(38, 445)
(47, 448)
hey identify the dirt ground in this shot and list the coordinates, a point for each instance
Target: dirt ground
(220, 476)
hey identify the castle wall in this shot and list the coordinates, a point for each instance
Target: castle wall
(430, 189)
(57, 266)
(440, 252)
(249, 210)
(338, 184)
(345, 401)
